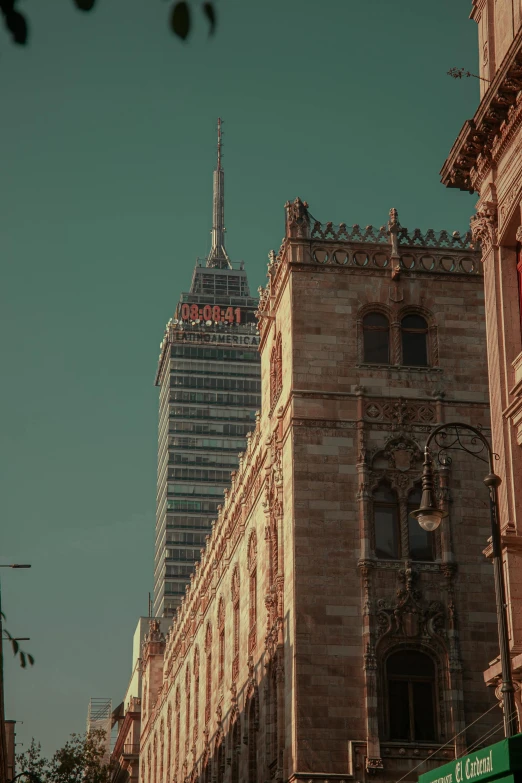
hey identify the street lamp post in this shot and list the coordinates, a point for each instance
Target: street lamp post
(449, 437)
(3, 744)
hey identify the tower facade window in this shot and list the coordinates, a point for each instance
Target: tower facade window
(421, 542)
(235, 630)
(410, 677)
(414, 335)
(386, 523)
(208, 673)
(221, 638)
(396, 533)
(376, 338)
(519, 281)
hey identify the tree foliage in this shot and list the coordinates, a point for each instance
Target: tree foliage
(24, 657)
(17, 25)
(81, 760)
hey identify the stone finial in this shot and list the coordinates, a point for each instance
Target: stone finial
(393, 229)
(297, 219)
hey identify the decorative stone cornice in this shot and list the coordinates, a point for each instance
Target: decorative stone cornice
(482, 140)
(484, 226)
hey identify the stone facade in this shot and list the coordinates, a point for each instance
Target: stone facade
(288, 658)
(487, 159)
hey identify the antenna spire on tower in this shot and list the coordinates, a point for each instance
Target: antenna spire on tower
(219, 144)
(218, 255)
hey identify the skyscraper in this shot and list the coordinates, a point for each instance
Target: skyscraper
(209, 379)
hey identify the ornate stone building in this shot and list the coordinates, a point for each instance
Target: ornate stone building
(324, 636)
(487, 159)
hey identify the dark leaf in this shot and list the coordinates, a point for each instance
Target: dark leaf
(23, 663)
(84, 5)
(210, 13)
(17, 26)
(15, 646)
(180, 20)
(30, 659)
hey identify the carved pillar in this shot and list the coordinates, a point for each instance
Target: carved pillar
(395, 342)
(373, 747)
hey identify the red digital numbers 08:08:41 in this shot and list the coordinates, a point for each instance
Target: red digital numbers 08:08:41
(210, 313)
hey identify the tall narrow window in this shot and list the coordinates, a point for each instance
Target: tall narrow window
(178, 721)
(252, 742)
(376, 338)
(519, 281)
(169, 740)
(421, 543)
(411, 697)
(235, 630)
(386, 523)
(155, 759)
(187, 709)
(219, 761)
(252, 592)
(208, 673)
(276, 370)
(221, 639)
(162, 750)
(196, 693)
(414, 331)
(236, 746)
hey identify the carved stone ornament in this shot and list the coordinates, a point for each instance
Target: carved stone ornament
(402, 453)
(484, 226)
(518, 235)
(409, 615)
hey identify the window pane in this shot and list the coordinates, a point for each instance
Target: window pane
(423, 710)
(414, 322)
(386, 538)
(399, 710)
(376, 346)
(384, 494)
(414, 349)
(408, 663)
(376, 319)
(421, 542)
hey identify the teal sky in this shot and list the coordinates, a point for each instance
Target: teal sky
(108, 146)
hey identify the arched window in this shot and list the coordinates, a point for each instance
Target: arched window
(386, 523)
(236, 747)
(187, 709)
(519, 281)
(196, 693)
(421, 544)
(410, 677)
(219, 761)
(235, 630)
(208, 673)
(414, 332)
(252, 742)
(178, 721)
(155, 759)
(221, 640)
(271, 714)
(276, 370)
(252, 591)
(169, 740)
(376, 339)
(162, 750)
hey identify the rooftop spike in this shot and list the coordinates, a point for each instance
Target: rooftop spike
(218, 256)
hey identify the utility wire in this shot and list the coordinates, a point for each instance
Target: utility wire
(488, 734)
(495, 706)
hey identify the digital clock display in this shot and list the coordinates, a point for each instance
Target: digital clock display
(207, 312)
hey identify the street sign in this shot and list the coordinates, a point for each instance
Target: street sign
(492, 763)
